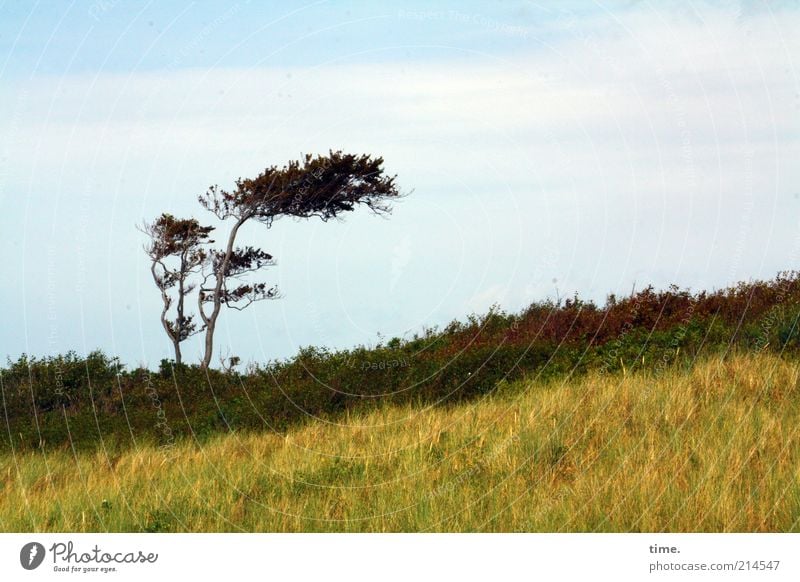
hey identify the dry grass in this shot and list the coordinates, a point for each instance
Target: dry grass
(714, 449)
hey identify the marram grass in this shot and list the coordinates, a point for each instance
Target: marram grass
(716, 448)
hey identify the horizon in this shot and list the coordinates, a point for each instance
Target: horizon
(382, 340)
(547, 151)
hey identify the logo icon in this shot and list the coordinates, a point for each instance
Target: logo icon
(31, 555)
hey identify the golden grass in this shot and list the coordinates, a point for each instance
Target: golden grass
(713, 449)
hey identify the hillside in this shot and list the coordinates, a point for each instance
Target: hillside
(711, 448)
(82, 403)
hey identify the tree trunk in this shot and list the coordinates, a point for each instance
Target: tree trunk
(176, 342)
(209, 344)
(211, 320)
(179, 322)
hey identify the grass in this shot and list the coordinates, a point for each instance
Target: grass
(713, 448)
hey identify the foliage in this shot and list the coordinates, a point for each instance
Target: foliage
(317, 186)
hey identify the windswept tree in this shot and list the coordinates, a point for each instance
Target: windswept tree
(176, 251)
(323, 186)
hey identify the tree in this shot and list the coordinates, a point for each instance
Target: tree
(323, 186)
(176, 252)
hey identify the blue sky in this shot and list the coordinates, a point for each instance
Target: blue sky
(112, 36)
(550, 147)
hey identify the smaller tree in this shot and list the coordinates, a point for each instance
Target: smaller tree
(176, 252)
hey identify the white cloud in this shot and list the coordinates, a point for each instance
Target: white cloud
(646, 147)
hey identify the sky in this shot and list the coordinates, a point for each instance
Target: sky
(546, 149)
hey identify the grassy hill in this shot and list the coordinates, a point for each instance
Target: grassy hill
(80, 403)
(711, 447)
